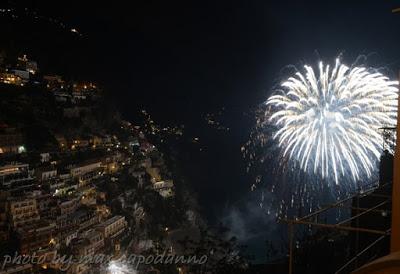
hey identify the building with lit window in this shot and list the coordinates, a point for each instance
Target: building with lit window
(14, 176)
(22, 212)
(96, 240)
(37, 236)
(46, 173)
(86, 167)
(11, 140)
(30, 66)
(164, 188)
(54, 83)
(11, 78)
(112, 227)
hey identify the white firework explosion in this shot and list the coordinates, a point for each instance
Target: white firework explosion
(329, 123)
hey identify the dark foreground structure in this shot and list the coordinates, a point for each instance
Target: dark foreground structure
(366, 241)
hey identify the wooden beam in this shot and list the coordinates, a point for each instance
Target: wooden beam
(395, 239)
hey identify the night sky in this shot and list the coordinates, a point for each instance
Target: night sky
(197, 55)
(201, 54)
(180, 60)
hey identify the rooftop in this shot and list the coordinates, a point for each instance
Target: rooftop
(111, 220)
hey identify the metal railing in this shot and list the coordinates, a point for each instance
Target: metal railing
(305, 220)
(355, 258)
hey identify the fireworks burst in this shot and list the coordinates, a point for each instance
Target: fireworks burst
(323, 126)
(329, 124)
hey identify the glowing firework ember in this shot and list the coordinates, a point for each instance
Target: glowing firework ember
(116, 267)
(328, 122)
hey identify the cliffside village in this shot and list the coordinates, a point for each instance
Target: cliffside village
(85, 193)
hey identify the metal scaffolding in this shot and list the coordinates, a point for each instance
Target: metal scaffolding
(350, 224)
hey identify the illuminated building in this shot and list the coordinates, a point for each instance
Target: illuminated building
(28, 65)
(22, 74)
(37, 236)
(15, 175)
(62, 142)
(68, 206)
(154, 173)
(46, 173)
(85, 218)
(113, 226)
(164, 188)
(85, 167)
(54, 83)
(11, 140)
(22, 212)
(96, 240)
(11, 78)
(82, 90)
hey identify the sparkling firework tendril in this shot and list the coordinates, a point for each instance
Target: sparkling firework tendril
(328, 123)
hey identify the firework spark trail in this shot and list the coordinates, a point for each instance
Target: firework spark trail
(328, 122)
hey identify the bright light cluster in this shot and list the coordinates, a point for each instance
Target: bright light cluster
(116, 267)
(328, 122)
